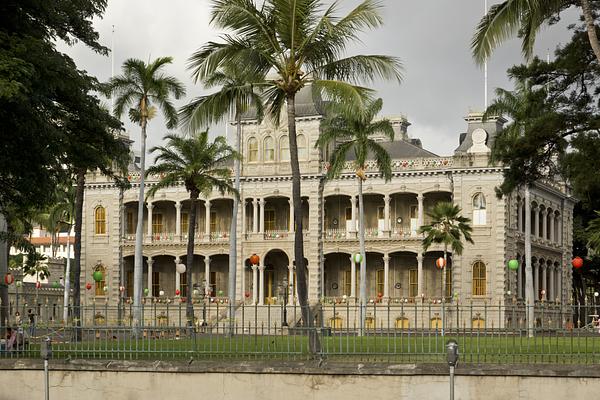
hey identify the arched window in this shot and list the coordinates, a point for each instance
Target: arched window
(252, 150)
(284, 148)
(479, 279)
(100, 218)
(302, 149)
(269, 149)
(479, 209)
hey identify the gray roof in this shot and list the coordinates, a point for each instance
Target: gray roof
(399, 149)
(306, 105)
(492, 126)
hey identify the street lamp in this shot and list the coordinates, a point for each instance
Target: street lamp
(285, 301)
(452, 353)
(46, 354)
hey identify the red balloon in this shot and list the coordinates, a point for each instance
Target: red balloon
(88, 286)
(9, 278)
(577, 262)
(440, 263)
(379, 294)
(254, 259)
(247, 294)
(38, 284)
(177, 292)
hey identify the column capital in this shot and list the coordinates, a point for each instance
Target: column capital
(177, 260)
(261, 267)
(207, 260)
(386, 198)
(386, 258)
(150, 261)
(254, 267)
(178, 204)
(207, 202)
(149, 205)
(255, 201)
(419, 257)
(353, 199)
(420, 196)
(262, 201)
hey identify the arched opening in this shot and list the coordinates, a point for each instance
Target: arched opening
(276, 276)
(338, 275)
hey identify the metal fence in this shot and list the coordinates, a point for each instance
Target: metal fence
(404, 333)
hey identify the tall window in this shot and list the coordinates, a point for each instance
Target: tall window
(184, 223)
(269, 149)
(379, 282)
(155, 283)
(479, 279)
(99, 289)
(270, 220)
(413, 284)
(157, 224)
(479, 209)
(183, 284)
(213, 221)
(252, 150)
(302, 149)
(100, 218)
(129, 283)
(448, 282)
(130, 225)
(284, 148)
(348, 283)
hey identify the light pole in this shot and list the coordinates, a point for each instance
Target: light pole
(46, 353)
(285, 301)
(452, 352)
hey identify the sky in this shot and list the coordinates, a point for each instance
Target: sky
(441, 82)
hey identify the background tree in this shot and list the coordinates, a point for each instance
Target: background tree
(301, 42)
(524, 18)
(141, 89)
(202, 166)
(236, 96)
(351, 133)
(446, 227)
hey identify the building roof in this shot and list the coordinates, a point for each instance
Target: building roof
(399, 149)
(306, 105)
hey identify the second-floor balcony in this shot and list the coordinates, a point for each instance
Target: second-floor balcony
(172, 237)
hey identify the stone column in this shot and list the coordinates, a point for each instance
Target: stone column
(178, 220)
(255, 216)
(420, 274)
(559, 224)
(177, 276)
(386, 275)
(386, 213)
(150, 207)
(206, 275)
(550, 294)
(544, 234)
(254, 284)
(291, 285)
(262, 216)
(519, 292)
(353, 205)
(244, 222)
(150, 262)
(420, 219)
(207, 220)
(520, 215)
(544, 281)
(291, 218)
(261, 296)
(559, 283)
(536, 280)
(536, 223)
(552, 236)
(352, 277)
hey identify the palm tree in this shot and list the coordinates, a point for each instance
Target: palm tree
(236, 96)
(524, 17)
(202, 166)
(352, 133)
(446, 227)
(142, 88)
(593, 231)
(299, 42)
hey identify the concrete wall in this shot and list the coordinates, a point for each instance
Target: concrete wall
(290, 381)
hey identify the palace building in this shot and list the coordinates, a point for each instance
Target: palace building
(398, 270)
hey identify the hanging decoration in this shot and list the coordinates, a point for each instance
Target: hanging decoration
(88, 286)
(161, 293)
(513, 265)
(357, 258)
(146, 291)
(577, 262)
(121, 289)
(19, 284)
(177, 292)
(440, 263)
(55, 284)
(220, 293)
(38, 284)
(180, 268)
(9, 278)
(98, 276)
(254, 259)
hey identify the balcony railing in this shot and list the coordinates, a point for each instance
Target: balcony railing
(276, 234)
(170, 237)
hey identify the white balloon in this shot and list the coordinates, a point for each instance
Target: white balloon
(161, 293)
(180, 268)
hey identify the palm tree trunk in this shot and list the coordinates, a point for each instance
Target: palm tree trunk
(301, 275)
(444, 287)
(4, 248)
(189, 308)
(529, 295)
(233, 228)
(77, 250)
(67, 279)
(363, 262)
(591, 27)
(139, 241)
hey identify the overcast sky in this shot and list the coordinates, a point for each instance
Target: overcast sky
(431, 37)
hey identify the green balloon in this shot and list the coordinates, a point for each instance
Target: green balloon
(98, 276)
(513, 265)
(357, 257)
(146, 291)
(55, 285)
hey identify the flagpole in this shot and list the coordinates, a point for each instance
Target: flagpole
(485, 68)
(112, 66)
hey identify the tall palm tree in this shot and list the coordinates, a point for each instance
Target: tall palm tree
(142, 88)
(447, 227)
(300, 42)
(201, 166)
(352, 133)
(236, 95)
(593, 230)
(525, 17)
